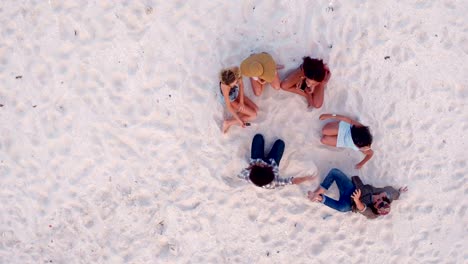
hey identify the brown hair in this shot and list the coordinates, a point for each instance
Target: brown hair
(229, 75)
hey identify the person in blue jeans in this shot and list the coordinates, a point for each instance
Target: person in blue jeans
(366, 199)
(263, 171)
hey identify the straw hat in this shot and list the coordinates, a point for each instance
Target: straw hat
(259, 65)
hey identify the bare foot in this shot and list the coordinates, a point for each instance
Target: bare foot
(316, 196)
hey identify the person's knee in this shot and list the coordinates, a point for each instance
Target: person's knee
(283, 86)
(258, 137)
(318, 104)
(323, 140)
(323, 130)
(335, 170)
(326, 141)
(344, 208)
(280, 143)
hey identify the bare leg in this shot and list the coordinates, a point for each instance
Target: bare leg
(290, 83)
(318, 95)
(316, 196)
(310, 100)
(228, 123)
(250, 103)
(276, 84)
(296, 91)
(331, 129)
(248, 112)
(329, 140)
(257, 87)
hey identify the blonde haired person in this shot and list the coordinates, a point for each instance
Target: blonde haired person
(262, 69)
(232, 90)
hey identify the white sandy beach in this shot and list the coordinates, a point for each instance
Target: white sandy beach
(111, 148)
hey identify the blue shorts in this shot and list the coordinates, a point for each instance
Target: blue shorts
(344, 139)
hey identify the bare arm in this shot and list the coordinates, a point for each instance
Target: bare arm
(299, 180)
(357, 200)
(323, 83)
(341, 118)
(310, 99)
(362, 208)
(225, 90)
(292, 79)
(369, 153)
(291, 82)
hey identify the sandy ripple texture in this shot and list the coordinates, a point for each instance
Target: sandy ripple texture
(111, 149)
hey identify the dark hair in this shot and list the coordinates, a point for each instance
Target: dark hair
(385, 199)
(261, 176)
(376, 210)
(361, 136)
(314, 69)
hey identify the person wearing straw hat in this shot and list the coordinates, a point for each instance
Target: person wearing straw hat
(309, 80)
(261, 68)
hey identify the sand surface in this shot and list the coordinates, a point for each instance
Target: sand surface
(110, 142)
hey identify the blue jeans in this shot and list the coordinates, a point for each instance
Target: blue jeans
(346, 187)
(258, 152)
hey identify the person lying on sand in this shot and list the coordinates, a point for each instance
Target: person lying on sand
(366, 199)
(347, 133)
(264, 171)
(309, 80)
(239, 105)
(262, 69)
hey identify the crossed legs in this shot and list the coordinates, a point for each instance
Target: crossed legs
(345, 187)
(249, 113)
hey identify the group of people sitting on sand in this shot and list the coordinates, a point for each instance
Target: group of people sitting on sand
(308, 80)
